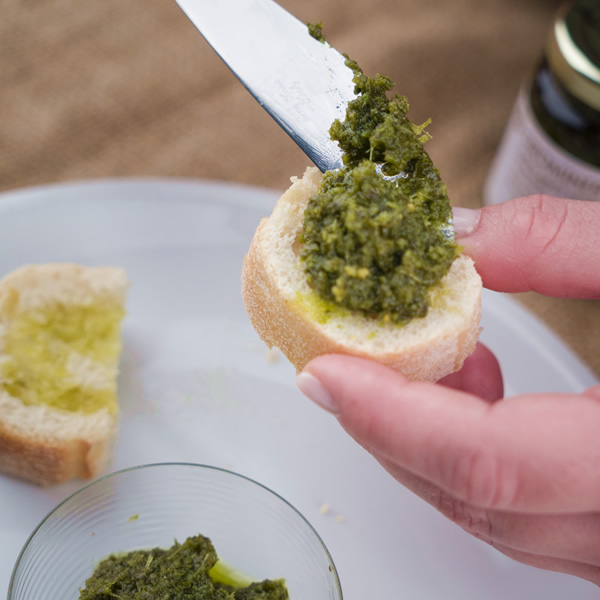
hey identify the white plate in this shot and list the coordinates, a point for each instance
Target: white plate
(196, 386)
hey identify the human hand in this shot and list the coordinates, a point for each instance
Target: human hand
(522, 473)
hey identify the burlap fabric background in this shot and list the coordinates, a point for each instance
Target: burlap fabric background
(107, 88)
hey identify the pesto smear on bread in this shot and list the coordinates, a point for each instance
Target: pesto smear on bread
(374, 239)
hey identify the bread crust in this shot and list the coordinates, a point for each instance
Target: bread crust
(42, 444)
(36, 454)
(424, 349)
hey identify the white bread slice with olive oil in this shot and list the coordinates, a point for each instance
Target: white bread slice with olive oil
(286, 312)
(59, 342)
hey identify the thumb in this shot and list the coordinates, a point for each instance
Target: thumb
(387, 414)
(535, 452)
(537, 243)
(343, 395)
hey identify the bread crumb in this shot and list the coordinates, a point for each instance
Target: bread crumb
(325, 508)
(272, 355)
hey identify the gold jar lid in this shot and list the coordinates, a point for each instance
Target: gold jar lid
(573, 50)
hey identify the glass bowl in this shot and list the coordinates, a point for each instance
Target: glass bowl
(253, 530)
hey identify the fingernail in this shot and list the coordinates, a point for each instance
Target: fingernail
(465, 221)
(313, 389)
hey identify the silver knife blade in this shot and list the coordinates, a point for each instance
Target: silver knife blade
(302, 83)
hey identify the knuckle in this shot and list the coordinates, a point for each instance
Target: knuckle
(480, 478)
(541, 219)
(473, 520)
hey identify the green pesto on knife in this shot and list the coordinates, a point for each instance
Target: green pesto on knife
(374, 239)
(188, 571)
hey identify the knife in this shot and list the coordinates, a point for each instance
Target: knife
(301, 82)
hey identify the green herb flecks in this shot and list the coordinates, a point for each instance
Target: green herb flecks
(374, 238)
(182, 572)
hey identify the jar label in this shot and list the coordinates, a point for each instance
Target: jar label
(529, 162)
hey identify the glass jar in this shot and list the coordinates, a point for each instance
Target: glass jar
(551, 144)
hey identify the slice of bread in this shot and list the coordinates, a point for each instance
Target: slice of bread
(287, 313)
(59, 352)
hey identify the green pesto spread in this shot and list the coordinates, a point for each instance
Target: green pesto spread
(41, 345)
(375, 236)
(188, 571)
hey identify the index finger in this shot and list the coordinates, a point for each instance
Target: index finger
(537, 243)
